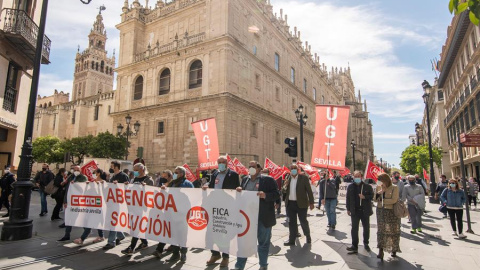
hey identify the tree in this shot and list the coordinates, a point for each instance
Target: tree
(416, 158)
(48, 149)
(107, 145)
(78, 147)
(470, 6)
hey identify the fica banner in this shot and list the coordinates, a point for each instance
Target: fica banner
(222, 220)
(330, 143)
(207, 143)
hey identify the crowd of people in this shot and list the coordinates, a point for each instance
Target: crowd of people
(393, 197)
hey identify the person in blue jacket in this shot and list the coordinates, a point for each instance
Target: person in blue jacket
(454, 198)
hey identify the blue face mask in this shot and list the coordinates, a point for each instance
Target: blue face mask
(453, 185)
(136, 174)
(357, 180)
(222, 167)
(294, 172)
(175, 176)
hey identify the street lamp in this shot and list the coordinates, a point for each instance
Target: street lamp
(427, 88)
(302, 120)
(19, 226)
(417, 132)
(128, 132)
(353, 151)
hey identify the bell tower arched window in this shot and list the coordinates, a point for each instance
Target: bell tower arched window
(164, 82)
(138, 89)
(195, 75)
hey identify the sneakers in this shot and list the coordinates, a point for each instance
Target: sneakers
(108, 246)
(141, 246)
(419, 230)
(454, 233)
(128, 251)
(157, 253)
(98, 239)
(332, 227)
(413, 231)
(64, 239)
(183, 257)
(6, 215)
(352, 250)
(462, 236)
(367, 248)
(78, 241)
(117, 241)
(61, 226)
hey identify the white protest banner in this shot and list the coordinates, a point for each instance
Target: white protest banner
(222, 220)
(342, 193)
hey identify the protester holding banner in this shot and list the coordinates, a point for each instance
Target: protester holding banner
(298, 197)
(141, 178)
(58, 195)
(328, 194)
(41, 180)
(224, 178)
(415, 210)
(268, 193)
(76, 177)
(388, 232)
(359, 208)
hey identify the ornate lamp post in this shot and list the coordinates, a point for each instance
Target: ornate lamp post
(427, 88)
(302, 120)
(353, 152)
(19, 226)
(128, 132)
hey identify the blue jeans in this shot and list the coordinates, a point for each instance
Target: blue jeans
(112, 236)
(263, 236)
(330, 206)
(43, 201)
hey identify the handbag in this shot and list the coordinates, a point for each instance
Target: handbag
(51, 188)
(399, 209)
(443, 209)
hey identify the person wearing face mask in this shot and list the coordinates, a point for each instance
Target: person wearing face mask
(413, 194)
(396, 180)
(59, 194)
(472, 191)
(6, 185)
(454, 198)
(41, 180)
(267, 191)
(76, 177)
(223, 178)
(328, 194)
(298, 198)
(141, 178)
(359, 208)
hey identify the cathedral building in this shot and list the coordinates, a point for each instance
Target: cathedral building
(235, 61)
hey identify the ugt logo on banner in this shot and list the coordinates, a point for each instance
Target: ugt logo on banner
(330, 144)
(207, 143)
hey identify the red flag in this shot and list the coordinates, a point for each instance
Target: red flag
(189, 175)
(207, 143)
(314, 178)
(312, 172)
(285, 171)
(425, 175)
(372, 171)
(230, 164)
(275, 170)
(344, 172)
(330, 143)
(240, 168)
(89, 170)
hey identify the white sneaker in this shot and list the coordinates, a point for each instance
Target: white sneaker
(462, 236)
(454, 233)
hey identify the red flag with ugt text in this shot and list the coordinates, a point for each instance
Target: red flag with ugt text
(207, 143)
(330, 143)
(189, 174)
(275, 170)
(89, 170)
(285, 171)
(240, 169)
(344, 172)
(425, 175)
(372, 171)
(230, 164)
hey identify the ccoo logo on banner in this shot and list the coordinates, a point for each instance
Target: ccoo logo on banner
(223, 220)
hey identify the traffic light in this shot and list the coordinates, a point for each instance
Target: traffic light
(291, 149)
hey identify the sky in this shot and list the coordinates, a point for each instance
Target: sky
(387, 44)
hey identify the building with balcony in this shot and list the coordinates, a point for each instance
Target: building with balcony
(459, 74)
(18, 36)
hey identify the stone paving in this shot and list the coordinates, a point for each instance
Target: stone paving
(435, 248)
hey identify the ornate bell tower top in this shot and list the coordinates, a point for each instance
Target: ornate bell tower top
(98, 34)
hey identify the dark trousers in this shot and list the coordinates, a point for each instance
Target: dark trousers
(356, 218)
(472, 198)
(292, 211)
(458, 214)
(4, 201)
(216, 253)
(135, 240)
(58, 206)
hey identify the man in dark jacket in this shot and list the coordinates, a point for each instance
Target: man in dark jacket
(328, 197)
(359, 208)
(224, 178)
(41, 180)
(6, 185)
(267, 189)
(298, 198)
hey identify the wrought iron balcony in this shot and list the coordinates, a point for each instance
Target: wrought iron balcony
(21, 31)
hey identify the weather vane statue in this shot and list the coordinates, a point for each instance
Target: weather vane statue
(101, 8)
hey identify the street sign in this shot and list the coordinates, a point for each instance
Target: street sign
(470, 140)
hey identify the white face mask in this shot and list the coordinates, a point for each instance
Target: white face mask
(7, 171)
(76, 173)
(252, 171)
(72, 170)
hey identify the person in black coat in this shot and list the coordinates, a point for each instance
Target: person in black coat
(59, 194)
(6, 185)
(223, 178)
(268, 193)
(359, 208)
